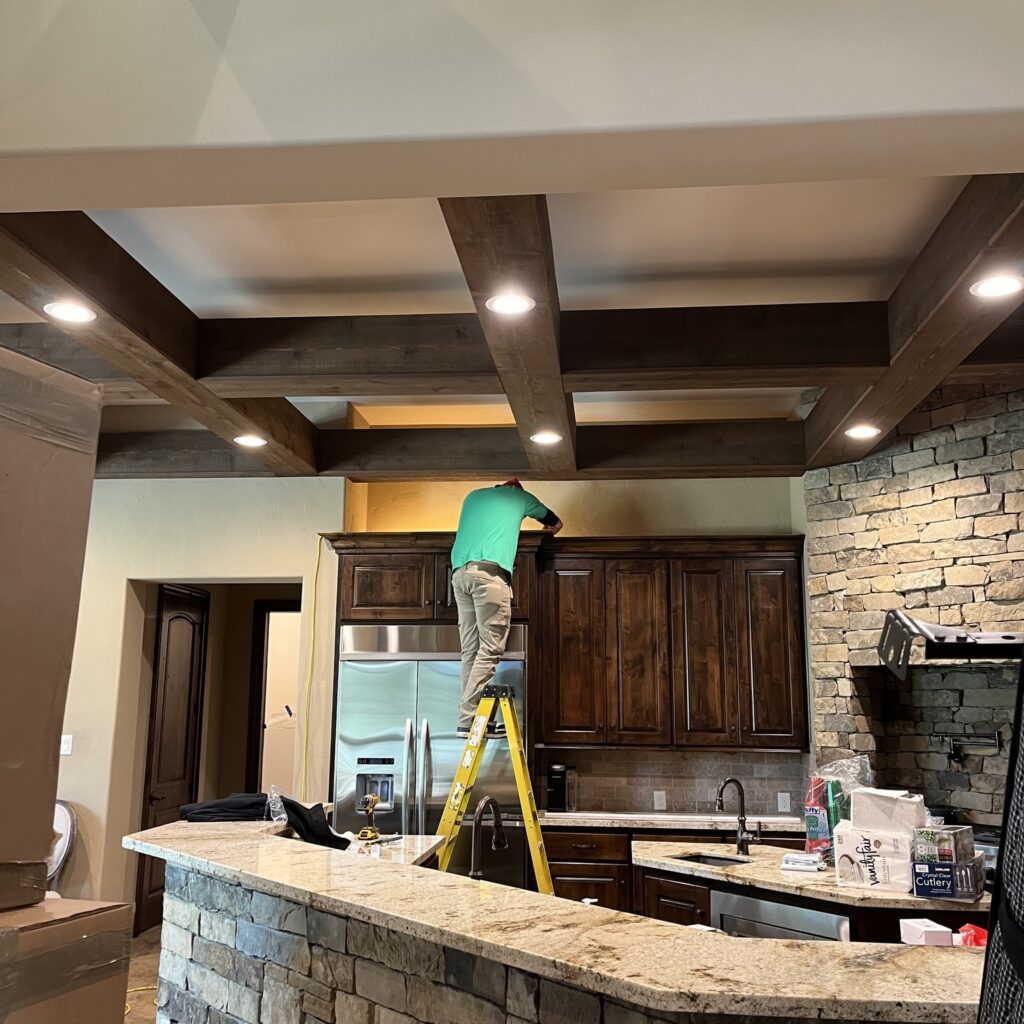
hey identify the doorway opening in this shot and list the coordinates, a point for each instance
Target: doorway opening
(223, 692)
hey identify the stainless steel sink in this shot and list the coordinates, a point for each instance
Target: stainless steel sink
(710, 859)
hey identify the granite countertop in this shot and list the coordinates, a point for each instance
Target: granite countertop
(659, 820)
(655, 964)
(761, 870)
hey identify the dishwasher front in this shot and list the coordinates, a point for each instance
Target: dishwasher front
(765, 919)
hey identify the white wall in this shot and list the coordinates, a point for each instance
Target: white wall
(186, 531)
(259, 101)
(278, 767)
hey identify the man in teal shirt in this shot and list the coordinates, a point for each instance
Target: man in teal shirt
(482, 557)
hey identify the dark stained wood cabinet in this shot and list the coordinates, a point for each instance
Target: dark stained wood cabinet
(606, 884)
(637, 662)
(376, 587)
(670, 900)
(521, 581)
(573, 693)
(704, 653)
(771, 666)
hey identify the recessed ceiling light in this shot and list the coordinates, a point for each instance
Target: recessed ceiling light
(250, 441)
(545, 437)
(996, 286)
(72, 312)
(863, 431)
(510, 303)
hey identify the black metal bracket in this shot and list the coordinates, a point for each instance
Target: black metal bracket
(497, 690)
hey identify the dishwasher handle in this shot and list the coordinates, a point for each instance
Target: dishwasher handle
(425, 771)
(408, 776)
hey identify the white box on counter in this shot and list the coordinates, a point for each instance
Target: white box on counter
(888, 810)
(873, 858)
(919, 931)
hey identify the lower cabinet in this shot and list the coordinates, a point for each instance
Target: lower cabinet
(678, 902)
(606, 884)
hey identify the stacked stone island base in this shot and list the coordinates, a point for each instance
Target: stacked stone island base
(233, 956)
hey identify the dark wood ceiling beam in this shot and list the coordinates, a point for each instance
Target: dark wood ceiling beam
(999, 359)
(736, 448)
(504, 243)
(141, 329)
(934, 322)
(797, 345)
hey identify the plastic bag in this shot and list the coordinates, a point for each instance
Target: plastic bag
(828, 800)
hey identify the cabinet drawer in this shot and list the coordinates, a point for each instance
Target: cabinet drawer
(606, 884)
(679, 902)
(587, 846)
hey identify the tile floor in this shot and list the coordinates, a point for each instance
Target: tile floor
(142, 973)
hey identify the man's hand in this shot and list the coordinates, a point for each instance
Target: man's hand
(553, 529)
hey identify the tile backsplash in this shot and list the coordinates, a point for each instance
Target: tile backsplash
(626, 779)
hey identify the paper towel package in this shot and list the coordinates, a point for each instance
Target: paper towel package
(887, 810)
(872, 858)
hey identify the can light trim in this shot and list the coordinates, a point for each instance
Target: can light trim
(863, 431)
(250, 441)
(545, 437)
(69, 312)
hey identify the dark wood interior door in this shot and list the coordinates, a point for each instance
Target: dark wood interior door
(639, 709)
(704, 653)
(388, 586)
(575, 694)
(773, 700)
(175, 728)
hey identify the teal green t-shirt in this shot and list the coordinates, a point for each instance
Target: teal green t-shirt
(489, 525)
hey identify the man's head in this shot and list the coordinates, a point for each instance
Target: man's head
(512, 483)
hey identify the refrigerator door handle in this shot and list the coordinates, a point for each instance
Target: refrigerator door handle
(408, 768)
(423, 777)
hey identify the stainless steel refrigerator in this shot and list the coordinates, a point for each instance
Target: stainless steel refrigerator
(396, 709)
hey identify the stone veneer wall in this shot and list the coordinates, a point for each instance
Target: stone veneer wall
(626, 779)
(233, 956)
(930, 522)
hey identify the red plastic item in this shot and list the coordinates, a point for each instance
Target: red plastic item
(974, 936)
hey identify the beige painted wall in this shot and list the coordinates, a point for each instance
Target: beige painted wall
(216, 531)
(278, 764)
(602, 507)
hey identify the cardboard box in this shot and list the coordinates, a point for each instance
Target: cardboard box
(952, 843)
(945, 881)
(919, 931)
(65, 962)
(49, 423)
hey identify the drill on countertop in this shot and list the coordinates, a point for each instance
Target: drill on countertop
(365, 805)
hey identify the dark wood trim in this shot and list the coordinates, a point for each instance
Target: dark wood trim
(934, 321)
(140, 328)
(504, 241)
(261, 608)
(796, 345)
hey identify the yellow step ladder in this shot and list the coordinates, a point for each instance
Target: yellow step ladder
(494, 697)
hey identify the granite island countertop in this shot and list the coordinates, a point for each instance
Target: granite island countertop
(654, 964)
(650, 820)
(761, 870)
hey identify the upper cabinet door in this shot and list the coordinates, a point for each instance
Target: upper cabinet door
(704, 653)
(387, 586)
(574, 692)
(637, 652)
(521, 580)
(773, 698)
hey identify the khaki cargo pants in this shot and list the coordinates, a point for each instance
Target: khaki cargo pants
(484, 599)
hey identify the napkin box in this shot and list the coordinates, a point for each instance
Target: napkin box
(887, 810)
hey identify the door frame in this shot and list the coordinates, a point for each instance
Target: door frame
(163, 589)
(261, 609)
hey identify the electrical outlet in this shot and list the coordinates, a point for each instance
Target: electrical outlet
(65, 744)
(659, 799)
(784, 803)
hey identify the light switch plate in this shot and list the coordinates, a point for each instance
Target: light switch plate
(659, 799)
(784, 802)
(65, 745)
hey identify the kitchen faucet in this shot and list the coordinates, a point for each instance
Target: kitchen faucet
(498, 840)
(743, 837)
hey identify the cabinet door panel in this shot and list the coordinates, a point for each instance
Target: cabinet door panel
(638, 665)
(606, 883)
(773, 697)
(574, 699)
(387, 586)
(678, 902)
(445, 597)
(704, 653)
